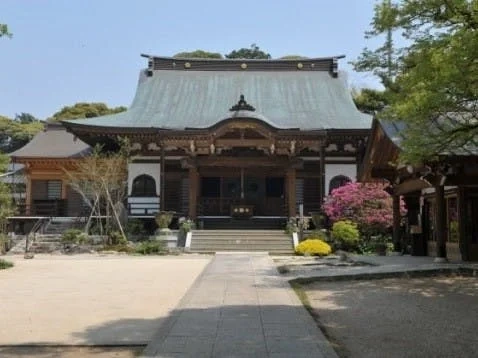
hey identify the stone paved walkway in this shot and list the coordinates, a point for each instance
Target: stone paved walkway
(239, 307)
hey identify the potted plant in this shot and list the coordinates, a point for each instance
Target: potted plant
(164, 219)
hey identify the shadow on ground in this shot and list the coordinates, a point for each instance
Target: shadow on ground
(400, 317)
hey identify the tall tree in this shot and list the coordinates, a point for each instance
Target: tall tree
(254, 52)
(382, 61)
(370, 100)
(4, 31)
(198, 54)
(85, 110)
(436, 81)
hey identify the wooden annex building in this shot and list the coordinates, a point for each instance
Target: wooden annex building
(441, 196)
(223, 142)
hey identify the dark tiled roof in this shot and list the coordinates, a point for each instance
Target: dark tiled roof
(293, 98)
(53, 142)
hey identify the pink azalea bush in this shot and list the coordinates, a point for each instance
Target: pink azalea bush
(366, 204)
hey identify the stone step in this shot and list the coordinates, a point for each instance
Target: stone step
(241, 240)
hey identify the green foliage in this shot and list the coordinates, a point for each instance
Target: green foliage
(254, 52)
(116, 238)
(198, 54)
(4, 32)
(186, 225)
(292, 57)
(434, 86)
(346, 234)
(5, 264)
(85, 110)
(151, 247)
(317, 235)
(7, 207)
(370, 100)
(15, 133)
(4, 243)
(135, 227)
(74, 236)
(313, 247)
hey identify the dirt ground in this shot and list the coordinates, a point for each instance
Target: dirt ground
(91, 300)
(400, 317)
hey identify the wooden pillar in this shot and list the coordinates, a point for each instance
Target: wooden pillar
(193, 192)
(396, 223)
(28, 196)
(162, 182)
(462, 224)
(322, 176)
(290, 177)
(440, 225)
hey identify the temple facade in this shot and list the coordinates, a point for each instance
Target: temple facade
(214, 140)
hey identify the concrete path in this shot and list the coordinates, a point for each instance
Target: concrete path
(239, 307)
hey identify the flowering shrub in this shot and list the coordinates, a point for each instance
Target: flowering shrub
(346, 234)
(367, 204)
(313, 247)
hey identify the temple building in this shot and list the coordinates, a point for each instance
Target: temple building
(441, 196)
(215, 140)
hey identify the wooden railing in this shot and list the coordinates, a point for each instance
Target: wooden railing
(43, 208)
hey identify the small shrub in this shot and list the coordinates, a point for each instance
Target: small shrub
(317, 235)
(116, 238)
(5, 264)
(135, 227)
(4, 243)
(151, 247)
(313, 247)
(74, 236)
(346, 234)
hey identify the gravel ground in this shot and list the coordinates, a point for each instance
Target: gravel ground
(91, 300)
(400, 317)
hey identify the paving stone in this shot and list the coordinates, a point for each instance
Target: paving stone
(259, 314)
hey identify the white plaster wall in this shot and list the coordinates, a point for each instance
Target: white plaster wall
(137, 169)
(332, 170)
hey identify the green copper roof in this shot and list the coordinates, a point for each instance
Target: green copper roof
(178, 99)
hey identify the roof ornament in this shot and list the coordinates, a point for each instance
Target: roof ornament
(242, 105)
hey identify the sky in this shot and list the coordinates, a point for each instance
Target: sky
(68, 51)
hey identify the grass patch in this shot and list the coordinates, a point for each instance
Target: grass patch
(5, 264)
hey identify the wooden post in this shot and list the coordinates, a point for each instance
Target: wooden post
(162, 182)
(290, 176)
(462, 237)
(440, 225)
(28, 196)
(396, 223)
(193, 192)
(322, 176)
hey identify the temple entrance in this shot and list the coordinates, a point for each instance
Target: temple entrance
(242, 196)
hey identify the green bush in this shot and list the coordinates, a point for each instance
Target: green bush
(5, 264)
(135, 227)
(151, 247)
(317, 235)
(313, 247)
(346, 234)
(74, 236)
(116, 238)
(4, 243)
